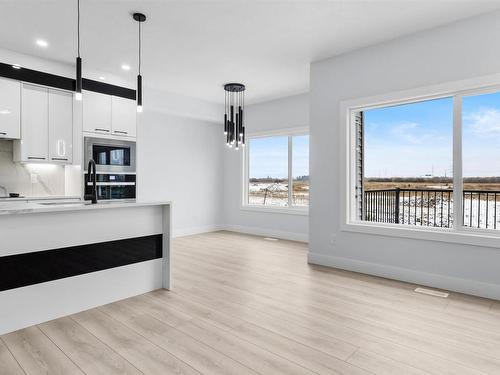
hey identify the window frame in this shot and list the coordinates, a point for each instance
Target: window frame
(458, 234)
(289, 133)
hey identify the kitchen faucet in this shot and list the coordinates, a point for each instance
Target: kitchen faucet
(91, 171)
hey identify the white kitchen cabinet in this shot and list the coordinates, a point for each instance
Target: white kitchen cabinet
(123, 116)
(96, 112)
(60, 126)
(46, 126)
(10, 109)
(33, 146)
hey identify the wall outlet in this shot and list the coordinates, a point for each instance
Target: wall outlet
(333, 239)
(34, 178)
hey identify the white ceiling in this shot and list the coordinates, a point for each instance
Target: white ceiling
(193, 47)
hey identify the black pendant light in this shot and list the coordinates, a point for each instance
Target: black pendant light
(78, 87)
(234, 105)
(140, 18)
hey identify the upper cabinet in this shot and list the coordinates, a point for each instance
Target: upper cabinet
(46, 126)
(96, 112)
(10, 109)
(123, 116)
(60, 126)
(34, 125)
(111, 115)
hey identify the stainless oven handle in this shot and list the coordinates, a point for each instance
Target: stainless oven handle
(112, 183)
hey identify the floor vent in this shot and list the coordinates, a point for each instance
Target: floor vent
(431, 292)
(270, 239)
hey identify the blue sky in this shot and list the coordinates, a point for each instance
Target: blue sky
(416, 139)
(269, 156)
(410, 140)
(481, 135)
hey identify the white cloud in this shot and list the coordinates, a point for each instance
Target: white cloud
(484, 123)
(410, 132)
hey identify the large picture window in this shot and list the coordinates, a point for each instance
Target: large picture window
(277, 171)
(403, 159)
(481, 160)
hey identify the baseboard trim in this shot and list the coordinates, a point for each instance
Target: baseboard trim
(455, 284)
(283, 235)
(196, 230)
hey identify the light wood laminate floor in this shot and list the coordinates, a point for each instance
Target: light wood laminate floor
(246, 305)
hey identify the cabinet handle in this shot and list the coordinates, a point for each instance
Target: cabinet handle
(60, 159)
(120, 132)
(101, 130)
(3, 133)
(35, 158)
(61, 148)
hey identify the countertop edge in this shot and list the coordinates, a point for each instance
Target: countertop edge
(73, 207)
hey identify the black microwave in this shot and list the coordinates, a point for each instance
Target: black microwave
(110, 155)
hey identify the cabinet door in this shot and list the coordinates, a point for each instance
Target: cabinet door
(60, 126)
(10, 109)
(34, 124)
(123, 116)
(96, 112)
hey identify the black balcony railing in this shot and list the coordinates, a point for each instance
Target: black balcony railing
(431, 207)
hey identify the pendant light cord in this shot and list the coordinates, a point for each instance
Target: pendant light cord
(139, 47)
(78, 26)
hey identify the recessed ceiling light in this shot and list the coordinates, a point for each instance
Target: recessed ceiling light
(16, 66)
(102, 78)
(42, 43)
(125, 67)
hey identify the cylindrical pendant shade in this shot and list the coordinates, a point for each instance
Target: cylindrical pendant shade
(139, 93)
(78, 87)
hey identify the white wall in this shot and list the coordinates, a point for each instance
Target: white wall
(283, 113)
(180, 160)
(462, 50)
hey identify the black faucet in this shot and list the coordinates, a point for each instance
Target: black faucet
(92, 196)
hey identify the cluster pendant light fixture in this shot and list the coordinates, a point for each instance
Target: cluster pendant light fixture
(234, 106)
(78, 87)
(140, 18)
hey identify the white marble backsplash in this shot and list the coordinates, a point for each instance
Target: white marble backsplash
(29, 179)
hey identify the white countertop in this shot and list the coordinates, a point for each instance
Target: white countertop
(16, 208)
(41, 198)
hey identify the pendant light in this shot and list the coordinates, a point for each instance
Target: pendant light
(234, 106)
(140, 18)
(78, 87)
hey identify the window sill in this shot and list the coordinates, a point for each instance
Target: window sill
(277, 210)
(463, 236)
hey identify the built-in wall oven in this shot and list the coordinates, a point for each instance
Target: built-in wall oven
(115, 167)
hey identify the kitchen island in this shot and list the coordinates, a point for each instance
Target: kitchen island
(58, 258)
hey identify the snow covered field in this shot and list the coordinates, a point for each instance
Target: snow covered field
(276, 194)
